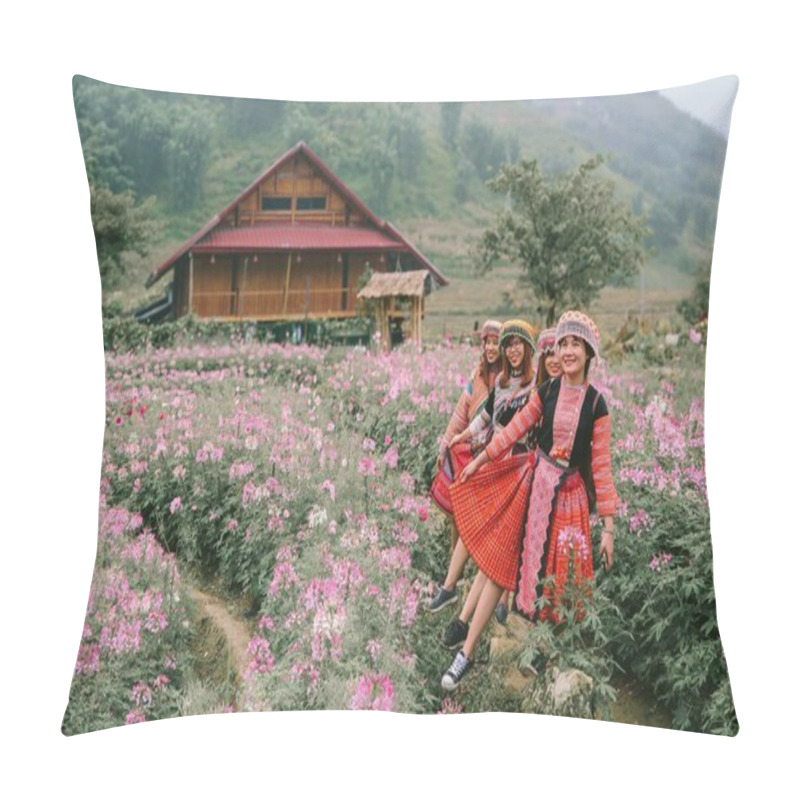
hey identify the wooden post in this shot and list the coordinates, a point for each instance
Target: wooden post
(286, 287)
(243, 288)
(191, 281)
(387, 327)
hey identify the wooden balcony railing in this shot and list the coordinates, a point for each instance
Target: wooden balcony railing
(276, 304)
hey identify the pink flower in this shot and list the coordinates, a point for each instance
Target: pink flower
(175, 505)
(641, 519)
(390, 457)
(366, 467)
(141, 694)
(262, 659)
(160, 682)
(695, 337)
(373, 692)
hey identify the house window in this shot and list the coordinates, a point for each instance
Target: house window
(276, 203)
(311, 203)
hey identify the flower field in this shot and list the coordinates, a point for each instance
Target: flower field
(294, 480)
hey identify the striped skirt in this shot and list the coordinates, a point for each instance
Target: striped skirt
(556, 552)
(490, 512)
(456, 458)
(525, 522)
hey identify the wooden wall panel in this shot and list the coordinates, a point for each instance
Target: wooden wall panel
(263, 286)
(212, 290)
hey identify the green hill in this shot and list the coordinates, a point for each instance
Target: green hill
(421, 166)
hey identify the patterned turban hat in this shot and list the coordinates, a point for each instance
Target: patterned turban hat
(490, 328)
(517, 327)
(547, 341)
(576, 323)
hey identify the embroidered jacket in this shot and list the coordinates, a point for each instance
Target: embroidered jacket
(575, 427)
(470, 404)
(501, 407)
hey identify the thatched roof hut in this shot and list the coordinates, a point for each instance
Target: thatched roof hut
(388, 291)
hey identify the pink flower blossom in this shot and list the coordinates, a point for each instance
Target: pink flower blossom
(175, 505)
(390, 458)
(366, 466)
(141, 694)
(641, 519)
(373, 692)
(160, 682)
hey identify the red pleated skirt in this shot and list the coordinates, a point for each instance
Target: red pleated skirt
(456, 458)
(556, 553)
(490, 512)
(525, 522)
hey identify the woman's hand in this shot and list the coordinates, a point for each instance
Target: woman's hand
(607, 548)
(472, 467)
(468, 471)
(440, 459)
(459, 437)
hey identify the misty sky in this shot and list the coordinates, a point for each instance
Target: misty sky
(709, 101)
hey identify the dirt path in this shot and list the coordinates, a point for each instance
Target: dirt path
(235, 632)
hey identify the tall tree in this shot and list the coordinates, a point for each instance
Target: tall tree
(569, 234)
(450, 117)
(120, 227)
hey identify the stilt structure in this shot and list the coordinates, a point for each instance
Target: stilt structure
(397, 297)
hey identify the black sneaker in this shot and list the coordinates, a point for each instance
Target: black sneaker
(442, 599)
(501, 613)
(456, 634)
(458, 669)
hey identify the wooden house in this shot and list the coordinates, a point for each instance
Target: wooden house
(292, 246)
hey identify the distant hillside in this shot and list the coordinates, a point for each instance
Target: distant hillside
(421, 166)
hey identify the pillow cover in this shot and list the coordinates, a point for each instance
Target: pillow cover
(282, 362)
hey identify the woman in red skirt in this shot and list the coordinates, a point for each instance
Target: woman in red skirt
(511, 392)
(547, 366)
(537, 528)
(452, 460)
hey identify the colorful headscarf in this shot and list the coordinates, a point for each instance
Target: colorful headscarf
(546, 342)
(576, 323)
(490, 328)
(517, 327)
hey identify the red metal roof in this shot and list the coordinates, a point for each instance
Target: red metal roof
(296, 237)
(389, 236)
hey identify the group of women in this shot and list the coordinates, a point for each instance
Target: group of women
(525, 457)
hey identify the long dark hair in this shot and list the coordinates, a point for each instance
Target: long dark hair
(489, 372)
(541, 370)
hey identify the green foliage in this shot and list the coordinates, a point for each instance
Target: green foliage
(134, 648)
(695, 309)
(120, 227)
(449, 120)
(123, 333)
(487, 150)
(150, 143)
(244, 117)
(669, 608)
(569, 234)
